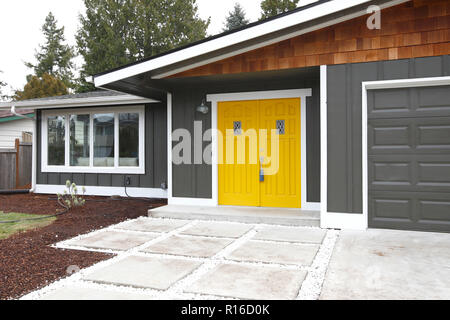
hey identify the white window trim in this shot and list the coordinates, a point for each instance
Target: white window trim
(45, 168)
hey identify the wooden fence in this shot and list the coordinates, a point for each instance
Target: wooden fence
(15, 167)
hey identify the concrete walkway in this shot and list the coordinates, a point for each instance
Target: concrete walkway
(389, 265)
(177, 259)
(200, 260)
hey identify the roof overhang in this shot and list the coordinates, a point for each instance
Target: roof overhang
(76, 102)
(311, 18)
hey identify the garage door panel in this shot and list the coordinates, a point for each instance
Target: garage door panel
(409, 136)
(415, 173)
(406, 210)
(406, 103)
(409, 158)
(435, 99)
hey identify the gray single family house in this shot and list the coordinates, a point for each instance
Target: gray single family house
(354, 97)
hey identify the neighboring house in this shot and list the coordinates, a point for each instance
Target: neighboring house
(362, 116)
(14, 127)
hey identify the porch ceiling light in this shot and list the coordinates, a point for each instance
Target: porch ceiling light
(203, 108)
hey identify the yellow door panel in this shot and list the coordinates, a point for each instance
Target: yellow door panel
(238, 158)
(282, 182)
(260, 135)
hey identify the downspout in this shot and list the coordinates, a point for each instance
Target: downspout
(34, 148)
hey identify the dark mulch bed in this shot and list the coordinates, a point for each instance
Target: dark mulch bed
(27, 262)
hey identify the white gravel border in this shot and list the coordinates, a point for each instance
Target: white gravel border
(310, 289)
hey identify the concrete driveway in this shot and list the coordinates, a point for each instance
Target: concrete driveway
(176, 259)
(394, 265)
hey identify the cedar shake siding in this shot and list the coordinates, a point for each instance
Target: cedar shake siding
(418, 28)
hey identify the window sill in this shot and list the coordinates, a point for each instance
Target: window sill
(96, 170)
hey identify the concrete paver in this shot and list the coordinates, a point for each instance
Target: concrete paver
(281, 253)
(245, 282)
(86, 294)
(113, 240)
(303, 235)
(153, 225)
(218, 229)
(189, 246)
(144, 272)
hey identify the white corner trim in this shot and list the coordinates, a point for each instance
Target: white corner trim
(169, 147)
(379, 85)
(91, 169)
(346, 221)
(261, 95)
(311, 206)
(323, 140)
(192, 202)
(105, 191)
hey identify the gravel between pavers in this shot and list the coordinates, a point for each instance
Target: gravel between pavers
(310, 290)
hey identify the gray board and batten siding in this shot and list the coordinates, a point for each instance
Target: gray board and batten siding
(195, 181)
(345, 119)
(155, 157)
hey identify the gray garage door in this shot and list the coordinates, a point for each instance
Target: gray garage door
(409, 158)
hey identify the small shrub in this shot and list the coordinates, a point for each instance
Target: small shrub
(70, 199)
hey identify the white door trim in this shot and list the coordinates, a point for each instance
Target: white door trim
(261, 95)
(378, 85)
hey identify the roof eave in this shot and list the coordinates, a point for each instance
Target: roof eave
(79, 102)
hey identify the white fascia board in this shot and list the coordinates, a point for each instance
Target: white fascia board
(78, 102)
(229, 40)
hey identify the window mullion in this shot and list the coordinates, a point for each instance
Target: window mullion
(67, 143)
(116, 140)
(91, 140)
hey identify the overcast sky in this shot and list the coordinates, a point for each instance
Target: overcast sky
(21, 21)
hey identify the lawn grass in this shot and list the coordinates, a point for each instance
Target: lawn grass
(8, 229)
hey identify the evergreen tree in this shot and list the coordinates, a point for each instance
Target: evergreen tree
(236, 18)
(41, 87)
(117, 32)
(54, 57)
(272, 8)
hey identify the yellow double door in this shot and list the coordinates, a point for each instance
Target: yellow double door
(260, 153)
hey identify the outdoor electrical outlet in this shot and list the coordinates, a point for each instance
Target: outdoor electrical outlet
(128, 181)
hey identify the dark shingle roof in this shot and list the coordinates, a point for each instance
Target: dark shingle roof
(8, 114)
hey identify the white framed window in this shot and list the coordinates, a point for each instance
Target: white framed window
(94, 140)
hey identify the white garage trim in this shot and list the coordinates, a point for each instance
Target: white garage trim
(351, 220)
(378, 85)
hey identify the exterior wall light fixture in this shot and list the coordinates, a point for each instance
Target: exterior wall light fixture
(203, 108)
